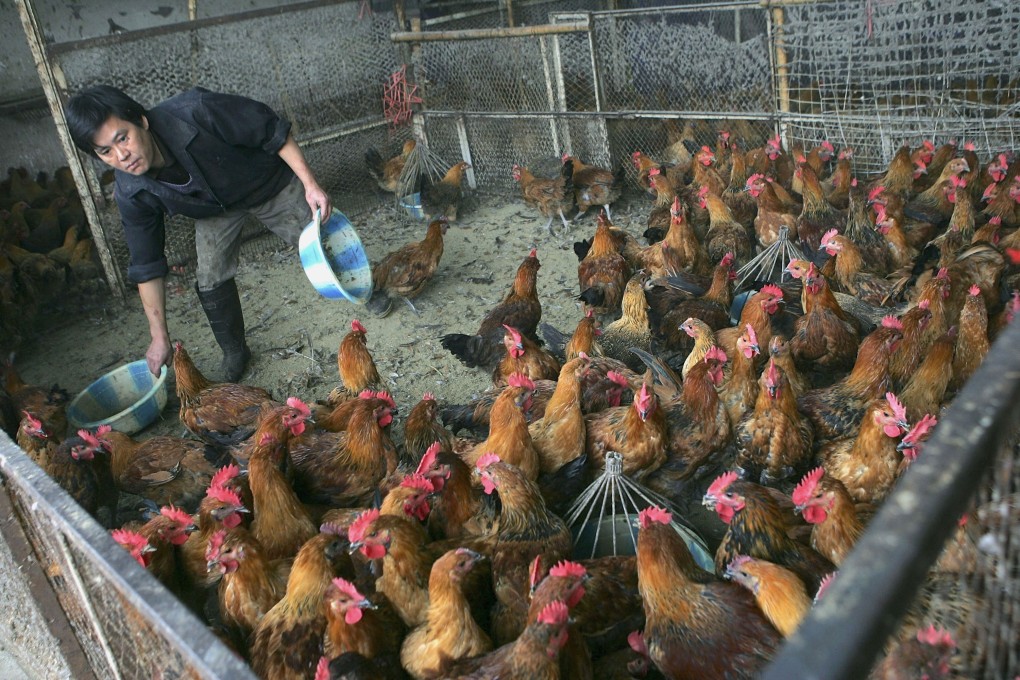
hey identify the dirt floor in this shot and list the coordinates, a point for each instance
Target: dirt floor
(294, 333)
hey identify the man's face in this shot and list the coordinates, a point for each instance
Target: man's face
(125, 146)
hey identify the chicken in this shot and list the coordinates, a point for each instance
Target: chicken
(826, 504)
(780, 594)
(674, 298)
(901, 252)
(933, 205)
(387, 173)
(550, 196)
(422, 428)
(679, 250)
(704, 340)
(757, 311)
(36, 440)
(772, 160)
(280, 523)
(912, 443)
(825, 339)
(836, 411)
(837, 187)
(405, 272)
(344, 469)
(638, 432)
(162, 469)
(696, 627)
(631, 329)
(534, 655)
(559, 436)
(249, 584)
(926, 389)
(743, 207)
(928, 656)
(355, 623)
(355, 365)
(71, 466)
(740, 391)
(62, 255)
(666, 202)
(775, 440)
(526, 529)
(475, 414)
(875, 249)
(907, 356)
(166, 531)
(524, 356)
(221, 414)
(442, 199)
(603, 272)
(757, 527)
(867, 464)
(220, 509)
(520, 309)
(594, 186)
(725, 235)
(135, 544)
(704, 176)
(508, 430)
(46, 404)
(287, 642)
(772, 214)
(817, 216)
(779, 351)
(972, 340)
(584, 338)
(851, 274)
(450, 632)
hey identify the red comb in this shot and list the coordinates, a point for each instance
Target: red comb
(429, 459)
(356, 532)
(653, 172)
(212, 549)
(702, 191)
(924, 304)
(936, 637)
(643, 398)
(418, 482)
(921, 429)
(554, 614)
(568, 569)
(177, 515)
(322, 669)
(637, 642)
(33, 421)
(356, 326)
(898, 409)
(521, 380)
(366, 394)
(653, 514)
(385, 396)
(726, 260)
(875, 192)
(224, 495)
(773, 290)
(943, 273)
(974, 290)
(348, 588)
(224, 475)
(617, 378)
(806, 488)
(828, 235)
(299, 406)
(714, 353)
(428, 396)
(132, 540)
(752, 337)
(533, 253)
(535, 571)
(486, 460)
(824, 585)
(89, 438)
(891, 321)
(721, 483)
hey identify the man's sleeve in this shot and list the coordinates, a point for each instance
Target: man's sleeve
(146, 239)
(241, 121)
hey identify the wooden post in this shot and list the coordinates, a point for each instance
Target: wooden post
(465, 152)
(510, 13)
(91, 195)
(782, 72)
(543, 46)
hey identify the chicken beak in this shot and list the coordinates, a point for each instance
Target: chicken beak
(903, 425)
(708, 501)
(190, 528)
(210, 564)
(353, 547)
(365, 604)
(148, 549)
(904, 445)
(756, 348)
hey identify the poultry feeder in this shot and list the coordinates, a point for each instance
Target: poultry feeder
(768, 265)
(604, 518)
(421, 165)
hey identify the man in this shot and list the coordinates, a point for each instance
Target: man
(213, 157)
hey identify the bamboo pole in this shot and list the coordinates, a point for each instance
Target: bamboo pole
(52, 85)
(510, 13)
(782, 70)
(487, 33)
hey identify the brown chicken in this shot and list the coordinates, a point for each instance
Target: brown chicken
(825, 339)
(584, 338)
(679, 250)
(442, 199)
(46, 404)
(220, 509)
(704, 175)
(534, 655)
(867, 464)
(725, 235)
(926, 389)
(972, 340)
(249, 584)
(404, 273)
(907, 356)
(638, 432)
(817, 216)
(594, 186)
(524, 356)
(162, 469)
(740, 391)
(387, 173)
(836, 411)
(775, 440)
(851, 273)
(779, 351)
(565, 583)
(826, 504)
(344, 469)
(526, 529)
(422, 428)
(757, 311)
(674, 299)
(287, 642)
(559, 436)
(72, 467)
(603, 272)
(661, 214)
(779, 592)
(475, 414)
(355, 365)
(837, 187)
(520, 309)
(933, 205)
(221, 414)
(508, 430)
(449, 633)
(166, 531)
(757, 527)
(696, 627)
(280, 523)
(550, 196)
(875, 249)
(355, 623)
(135, 544)
(632, 329)
(927, 655)
(772, 214)
(36, 440)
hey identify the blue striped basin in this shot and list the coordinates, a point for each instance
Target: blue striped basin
(128, 399)
(335, 261)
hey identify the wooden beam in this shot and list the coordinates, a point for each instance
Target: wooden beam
(487, 33)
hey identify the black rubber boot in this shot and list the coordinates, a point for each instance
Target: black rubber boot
(222, 307)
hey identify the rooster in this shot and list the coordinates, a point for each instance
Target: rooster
(696, 627)
(520, 309)
(550, 196)
(355, 365)
(221, 414)
(405, 272)
(166, 531)
(826, 504)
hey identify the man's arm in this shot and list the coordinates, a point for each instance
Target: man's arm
(291, 154)
(153, 295)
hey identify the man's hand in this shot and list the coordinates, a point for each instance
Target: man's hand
(158, 355)
(318, 200)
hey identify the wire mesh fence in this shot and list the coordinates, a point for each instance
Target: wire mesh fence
(128, 625)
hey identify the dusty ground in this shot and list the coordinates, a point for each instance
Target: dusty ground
(294, 333)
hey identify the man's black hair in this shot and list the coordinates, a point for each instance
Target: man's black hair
(89, 109)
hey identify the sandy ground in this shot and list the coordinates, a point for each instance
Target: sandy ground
(294, 333)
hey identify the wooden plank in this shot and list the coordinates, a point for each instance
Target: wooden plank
(487, 33)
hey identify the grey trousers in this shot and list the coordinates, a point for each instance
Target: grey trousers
(218, 239)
